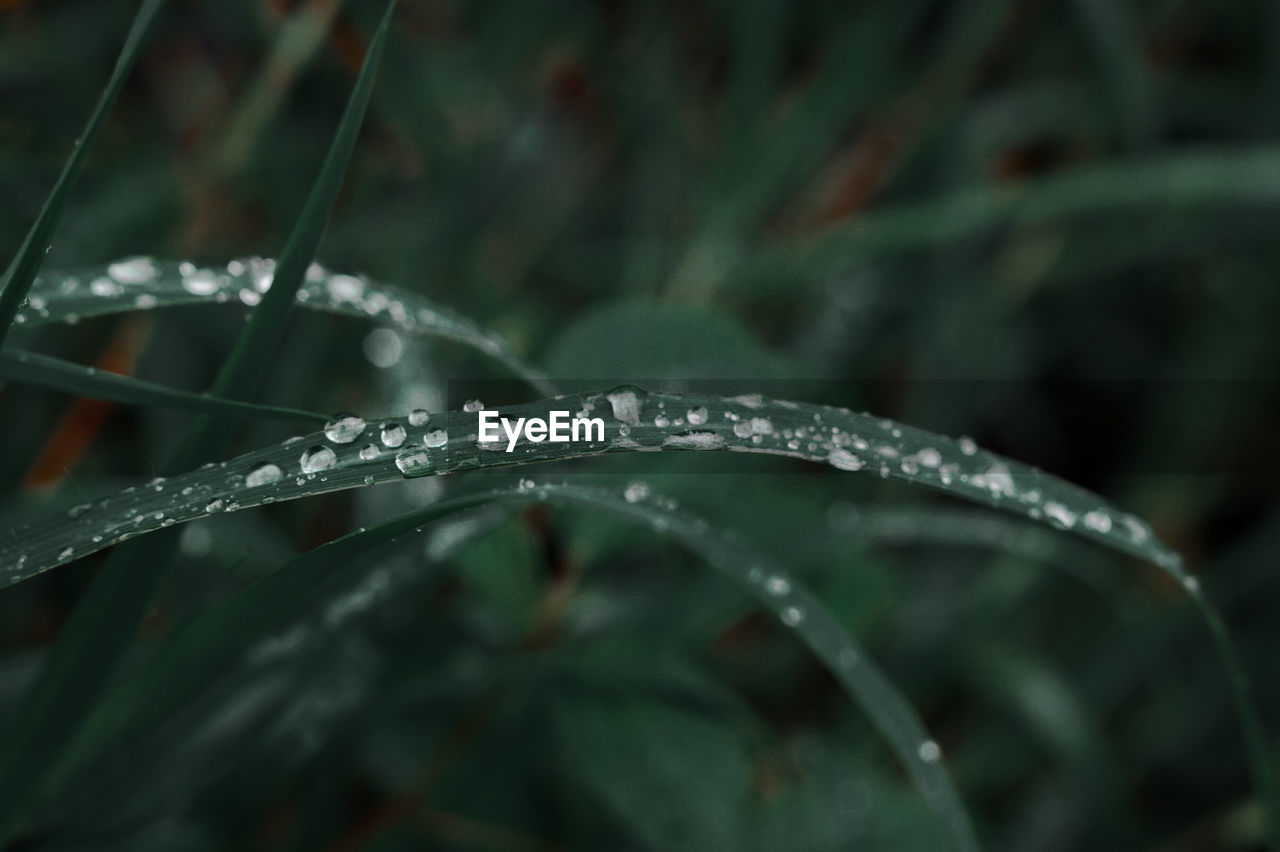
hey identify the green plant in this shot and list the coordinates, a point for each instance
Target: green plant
(277, 659)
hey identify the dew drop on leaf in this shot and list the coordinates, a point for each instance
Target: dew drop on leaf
(202, 282)
(344, 428)
(134, 270)
(418, 417)
(778, 586)
(317, 459)
(435, 438)
(695, 441)
(625, 402)
(264, 474)
(392, 434)
(105, 287)
(636, 492)
(844, 459)
(1098, 521)
(1060, 515)
(413, 462)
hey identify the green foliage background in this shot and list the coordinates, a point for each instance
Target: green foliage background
(1045, 225)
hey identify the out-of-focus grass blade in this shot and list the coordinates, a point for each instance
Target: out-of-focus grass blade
(1191, 183)
(202, 652)
(143, 283)
(243, 369)
(22, 270)
(105, 622)
(44, 371)
(1115, 37)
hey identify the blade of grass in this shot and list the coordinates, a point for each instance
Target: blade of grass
(142, 283)
(1201, 182)
(751, 424)
(104, 624)
(44, 371)
(323, 577)
(22, 270)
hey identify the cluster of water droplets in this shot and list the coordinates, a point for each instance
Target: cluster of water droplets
(350, 451)
(139, 283)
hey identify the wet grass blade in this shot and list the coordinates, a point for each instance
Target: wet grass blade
(105, 622)
(44, 371)
(22, 270)
(635, 421)
(142, 283)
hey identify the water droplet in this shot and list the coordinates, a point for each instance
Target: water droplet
(392, 434)
(344, 428)
(750, 400)
(792, 615)
(202, 282)
(413, 462)
(1060, 515)
(472, 405)
(1098, 520)
(697, 416)
(777, 585)
(695, 441)
(742, 428)
(967, 446)
(1191, 584)
(435, 438)
(369, 452)
(383, 348)
(105, 287)
(418, 417)
(264, 474)
(929, 457)
(344, 288)
(317, 459)
(929, 751)
(844, 459)
(214, 506)
(625, 402)
(65, 554)
(636, 492)
(134, 270)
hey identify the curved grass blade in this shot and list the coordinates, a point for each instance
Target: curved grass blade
(242, 370)
(44, 371)
(22, 270)
(217, 640)
(1210, 180)
(106, 620)
(142, 283)
(634, 421)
